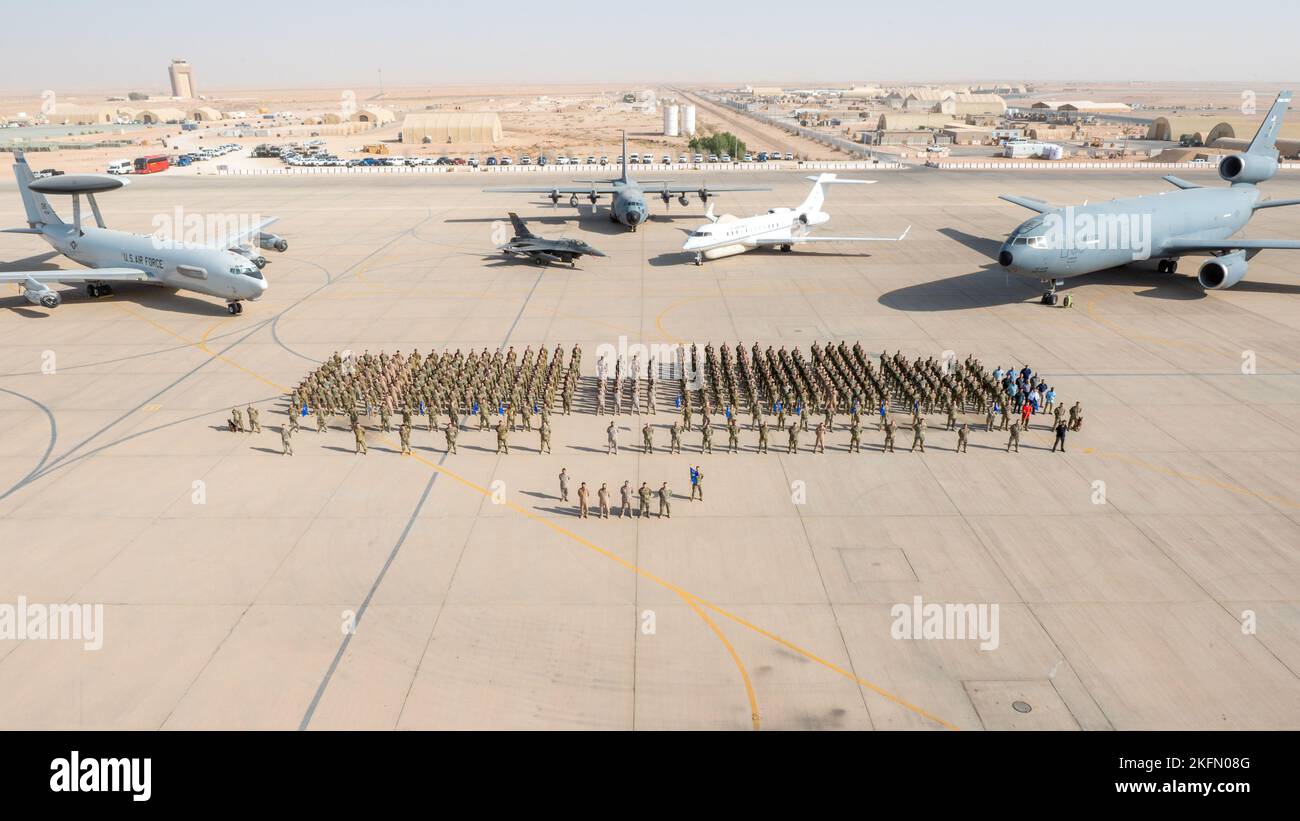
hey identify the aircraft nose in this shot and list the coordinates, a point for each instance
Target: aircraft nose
(1005, 259)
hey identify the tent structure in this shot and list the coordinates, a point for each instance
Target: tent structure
(452, 127)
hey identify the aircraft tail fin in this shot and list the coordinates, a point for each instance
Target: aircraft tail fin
(623, 176)
(817, 196)
(521, 228)
(39, 210)
(1265, 141)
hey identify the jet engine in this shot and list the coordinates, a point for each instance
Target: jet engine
(273, 242)
(1247, 167)
(38, 293)
(1222, 272)
(252, 256)
(682, 200)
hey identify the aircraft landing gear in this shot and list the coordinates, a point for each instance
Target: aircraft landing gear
(1049, 296)
(699, 258)
(1167, 266)
(785, 249)
(235, 308)
(95, 290)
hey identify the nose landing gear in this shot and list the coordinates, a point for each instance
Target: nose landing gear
(235, 308)
(1049, 296)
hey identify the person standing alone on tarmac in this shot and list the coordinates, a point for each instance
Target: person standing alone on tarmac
(1060, 437)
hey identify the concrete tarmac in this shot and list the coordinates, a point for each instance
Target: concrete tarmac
(1148, 578)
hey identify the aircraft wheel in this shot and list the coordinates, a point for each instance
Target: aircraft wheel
(92, 291)
(1173, 266)
(235, 308)
(106, 290)
(1049, 297)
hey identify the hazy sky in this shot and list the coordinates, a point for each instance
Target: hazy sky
(126, 45)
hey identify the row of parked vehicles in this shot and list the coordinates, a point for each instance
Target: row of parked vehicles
(641, 159)
(313, 154)
(153, 163)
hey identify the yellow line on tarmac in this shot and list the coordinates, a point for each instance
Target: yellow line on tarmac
(1192, 477)
(691, 597)
(200, 345)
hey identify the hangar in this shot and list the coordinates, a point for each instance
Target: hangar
(204, 114)
(1220, 132)
(71, 114)
(160, 115)
(452, 127)
(373, 116)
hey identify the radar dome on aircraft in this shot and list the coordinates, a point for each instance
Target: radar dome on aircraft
(76, 184)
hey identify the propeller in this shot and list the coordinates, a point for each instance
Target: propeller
(666, 196)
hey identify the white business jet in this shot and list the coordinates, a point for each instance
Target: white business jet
(779, 228)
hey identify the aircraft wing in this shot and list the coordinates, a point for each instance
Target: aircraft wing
(1275, 203)
(796, 240)
(1188, 246)
(531, 245)
(85, 275)
(603, 188)
(1027, 202)
(692, 189)
(239, 238)
(1180, 182)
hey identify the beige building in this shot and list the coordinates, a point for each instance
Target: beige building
(72, 114)
(1210, 130)
(373, 115)
(452, 127)
(182, 76)
(961, 105)
(160, 115)
(204, 114)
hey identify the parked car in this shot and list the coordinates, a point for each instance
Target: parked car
(119, 167)
(491, 161)
(789, 155)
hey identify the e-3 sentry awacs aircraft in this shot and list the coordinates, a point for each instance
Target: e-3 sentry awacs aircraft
(779, 228)
(627, 196)
(226, 268)
(1070, 241)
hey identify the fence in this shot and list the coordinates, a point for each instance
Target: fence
(608, 170)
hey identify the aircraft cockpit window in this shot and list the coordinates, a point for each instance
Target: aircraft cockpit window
(1038, 242)
(699, 233)
(251, 271)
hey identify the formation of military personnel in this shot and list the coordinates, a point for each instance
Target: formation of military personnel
(779, 389)
(643, 496)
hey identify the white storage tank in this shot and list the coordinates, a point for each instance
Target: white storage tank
(688, 120)
(670, 121)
